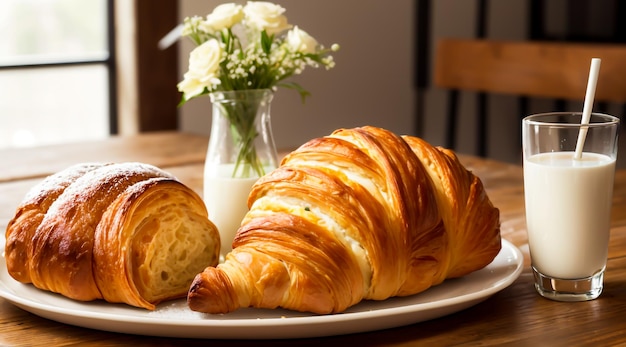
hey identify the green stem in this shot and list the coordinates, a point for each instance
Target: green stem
(242, 116)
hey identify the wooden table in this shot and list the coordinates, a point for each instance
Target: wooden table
(515, 315)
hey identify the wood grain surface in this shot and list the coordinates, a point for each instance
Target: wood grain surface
(515, 316)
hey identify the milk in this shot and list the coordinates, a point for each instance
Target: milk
(568, 212)
(226, 200)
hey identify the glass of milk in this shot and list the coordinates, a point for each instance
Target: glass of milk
(568, 201)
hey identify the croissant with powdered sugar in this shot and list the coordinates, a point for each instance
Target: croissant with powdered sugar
(126, 232)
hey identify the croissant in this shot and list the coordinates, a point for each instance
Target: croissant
(362, 214)
(127, 232)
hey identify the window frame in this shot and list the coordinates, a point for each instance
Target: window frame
(109, 62)
(149, 102)
(147, 96)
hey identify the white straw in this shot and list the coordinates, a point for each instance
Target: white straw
(170, 38)
(588, 106)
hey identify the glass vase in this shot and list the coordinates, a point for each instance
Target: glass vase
(241, 149)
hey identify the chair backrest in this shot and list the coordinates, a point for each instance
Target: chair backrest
(544, 69)
(539, 69)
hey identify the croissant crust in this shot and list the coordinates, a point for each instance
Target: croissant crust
(361, 214)
(126, 232)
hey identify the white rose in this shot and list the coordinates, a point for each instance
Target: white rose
(299, 41)
(261, 15)
(223, 16)
(204, 64)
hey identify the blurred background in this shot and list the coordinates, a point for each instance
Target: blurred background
(54, 71)
(73, 70)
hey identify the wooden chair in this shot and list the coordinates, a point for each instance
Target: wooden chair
(553, 70)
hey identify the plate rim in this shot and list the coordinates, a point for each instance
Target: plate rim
(453, 304)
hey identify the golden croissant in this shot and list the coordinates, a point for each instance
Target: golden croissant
(126, 232)
(362, 214)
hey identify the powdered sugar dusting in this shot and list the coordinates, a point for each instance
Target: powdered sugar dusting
(107, 181)
(59, 181)
(176, 309)
(141, 186)
(115, 174)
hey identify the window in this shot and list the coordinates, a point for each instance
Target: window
(56, 71)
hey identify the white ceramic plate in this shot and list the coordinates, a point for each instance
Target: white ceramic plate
(174, 319)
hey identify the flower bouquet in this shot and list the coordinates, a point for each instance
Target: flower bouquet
(244, 48)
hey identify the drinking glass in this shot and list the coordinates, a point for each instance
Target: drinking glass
(568, 201)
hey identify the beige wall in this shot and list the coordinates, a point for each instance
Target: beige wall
(372, 83)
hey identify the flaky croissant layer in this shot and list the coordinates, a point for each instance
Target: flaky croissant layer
(359, 214)
(126, 232)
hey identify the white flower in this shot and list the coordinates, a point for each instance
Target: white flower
(299, 41)
(223, 16)
(190, 25)
(204, 63)
(223, 60)
(261, 15)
